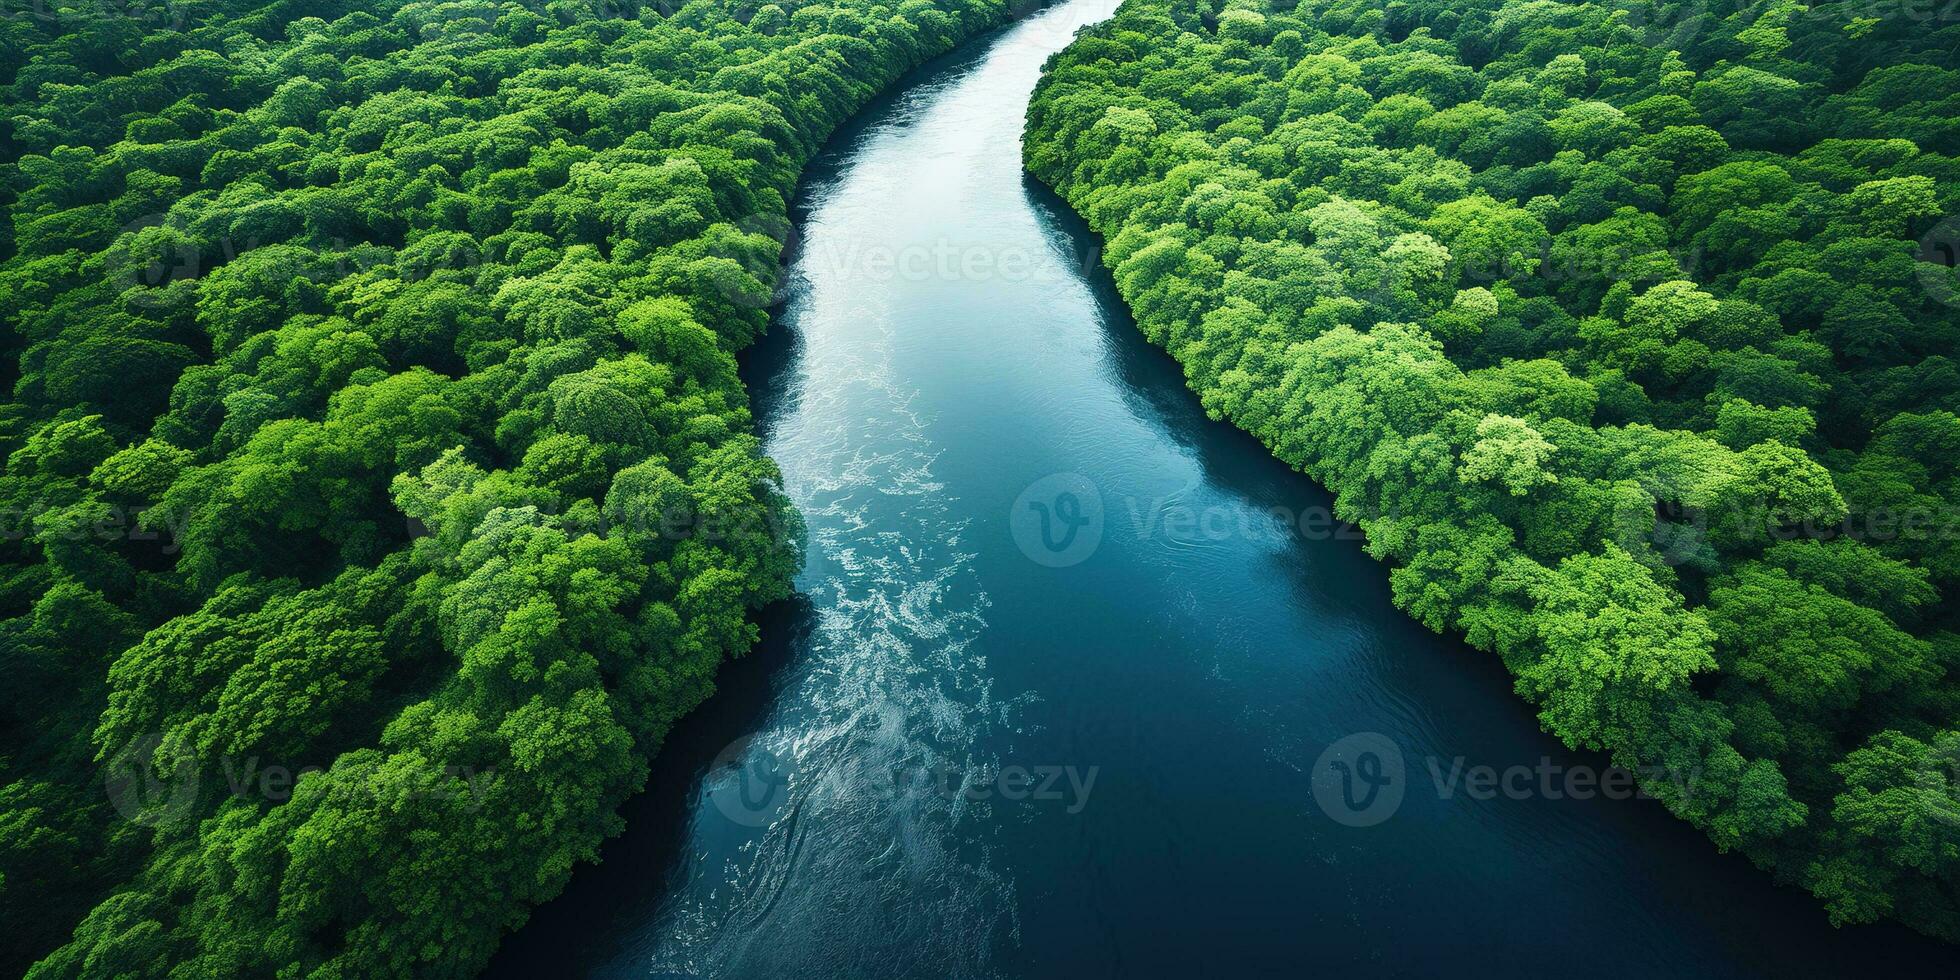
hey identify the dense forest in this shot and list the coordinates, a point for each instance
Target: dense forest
(374, 421)
(378, 488)
(1625, 330)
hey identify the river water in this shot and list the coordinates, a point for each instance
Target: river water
(1084, 685)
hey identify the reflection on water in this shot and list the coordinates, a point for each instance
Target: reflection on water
(1084, 685)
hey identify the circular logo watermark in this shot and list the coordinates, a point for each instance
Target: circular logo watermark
(150, 782)
(1938, 781)
(1678, 534)
(755, 275)
(1052, 27)
(1939, 262)
(1359, 781)
(171, 257)
(1058, 520)
(747, 783)
(1668, 26)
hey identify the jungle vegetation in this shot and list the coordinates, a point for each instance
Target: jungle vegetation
(1625, 330)
(374, 420)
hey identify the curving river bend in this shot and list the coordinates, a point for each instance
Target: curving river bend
(1085, 685)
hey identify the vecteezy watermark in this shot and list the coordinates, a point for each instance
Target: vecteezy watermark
(107, 523)
(1362, 780)
(752, 785)
(156, 251)
(1058, 520)
(752, 274)
(1175, 520)
(839, 259)
(1546, 779)
(765, 518)
(155, 780)
(1679, 535)
(1879, 11)
(163, 15)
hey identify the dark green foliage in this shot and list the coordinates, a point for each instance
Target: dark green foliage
(1624, 330)
(375, 421)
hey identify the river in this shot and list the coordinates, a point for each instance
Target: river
(1085, 685)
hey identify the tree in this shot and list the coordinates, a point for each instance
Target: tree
(1901, 808)
(1812, 652)
(1601, 640)
(1509, 451)
(1638, 444)
(372, 314)
(1488, 240)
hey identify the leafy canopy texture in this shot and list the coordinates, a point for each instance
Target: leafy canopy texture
(1625, 331)
(379, 487)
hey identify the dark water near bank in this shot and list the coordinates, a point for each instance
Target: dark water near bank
(1113, 746)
